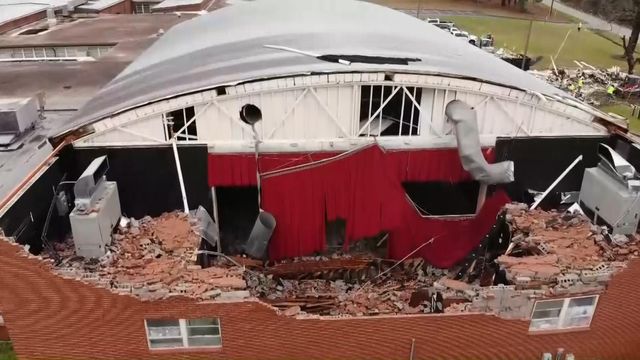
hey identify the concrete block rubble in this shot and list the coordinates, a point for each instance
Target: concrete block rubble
(549, 245)
(550, 254)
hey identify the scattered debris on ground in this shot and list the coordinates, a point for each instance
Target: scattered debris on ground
(587, 82)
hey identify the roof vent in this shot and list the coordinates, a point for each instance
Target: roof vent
(17, 116)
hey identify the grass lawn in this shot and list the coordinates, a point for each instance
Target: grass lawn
(546, 39)
(624, 110)
(6, 351)
(485, 7)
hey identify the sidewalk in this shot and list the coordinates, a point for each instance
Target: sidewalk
(589, 20)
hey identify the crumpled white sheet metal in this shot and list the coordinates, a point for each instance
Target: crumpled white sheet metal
(465, 122)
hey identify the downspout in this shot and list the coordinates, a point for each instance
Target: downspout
(464, 120)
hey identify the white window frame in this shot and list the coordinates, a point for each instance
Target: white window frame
(563, 316)
(183, 132)
(374, 117)
(142, 8)
(184, 334)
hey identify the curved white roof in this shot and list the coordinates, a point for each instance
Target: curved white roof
(227, 47)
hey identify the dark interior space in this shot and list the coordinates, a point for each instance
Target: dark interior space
(25, 219)
(436, 198)
(335, 234)
(237, 212)
(176, 121)
(631, 152)
(539, 161)
(147, 178)
(404, 122)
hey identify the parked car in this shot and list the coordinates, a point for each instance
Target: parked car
(486, 44)
(462, 35)
(444, 26)
(433, 21)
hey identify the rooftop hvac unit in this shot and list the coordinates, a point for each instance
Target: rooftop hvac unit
(17, 115)
(96, 211)
(611, 191)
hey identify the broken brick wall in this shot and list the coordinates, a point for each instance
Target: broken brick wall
(51, 317)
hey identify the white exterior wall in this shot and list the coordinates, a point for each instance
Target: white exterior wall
(143, 130)
(322, 112)
(287, 115)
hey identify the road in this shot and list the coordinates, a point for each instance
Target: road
(589, 20)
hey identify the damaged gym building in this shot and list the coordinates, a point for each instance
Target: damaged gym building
(279, 173)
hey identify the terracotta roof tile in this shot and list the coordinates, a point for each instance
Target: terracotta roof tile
(51, 317)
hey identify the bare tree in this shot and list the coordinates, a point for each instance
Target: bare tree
(630, 45)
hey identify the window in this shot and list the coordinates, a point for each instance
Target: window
(441, 198)
(171, 334)
(175, 121)
(142, 8)
(389, 110)
(54, 53)
(563, 313)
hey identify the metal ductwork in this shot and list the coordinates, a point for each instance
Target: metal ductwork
(464, 120)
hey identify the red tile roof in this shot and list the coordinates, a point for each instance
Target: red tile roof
(51, 317)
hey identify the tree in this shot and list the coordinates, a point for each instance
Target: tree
(630, 45)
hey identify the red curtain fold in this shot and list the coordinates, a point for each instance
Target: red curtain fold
(365, 189)
(240, 169)
(430, 165)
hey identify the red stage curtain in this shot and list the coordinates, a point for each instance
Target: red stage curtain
(240, 169)
(365, 189)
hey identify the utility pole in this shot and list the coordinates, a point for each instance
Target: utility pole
(418, 12)
(526, 46)
(551, 9)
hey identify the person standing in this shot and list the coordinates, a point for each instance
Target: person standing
(579, 26)
(611, 90)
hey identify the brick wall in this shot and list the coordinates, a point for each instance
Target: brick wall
(4, 334)
(124, 7)
(11, 25)
(50, 317)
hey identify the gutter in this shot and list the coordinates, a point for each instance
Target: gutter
(16, 190)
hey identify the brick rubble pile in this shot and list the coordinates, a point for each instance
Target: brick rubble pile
(551, 254)
(153, 258)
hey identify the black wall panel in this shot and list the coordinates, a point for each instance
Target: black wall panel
(539, 161)
(147, 177)
(24, 220)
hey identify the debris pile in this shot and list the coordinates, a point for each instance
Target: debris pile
(362, 286)
(587, 82)
(548, 254)
(152, 258)
(562, 250)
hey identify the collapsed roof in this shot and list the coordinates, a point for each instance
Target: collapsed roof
(228, 46)
(530, 255)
